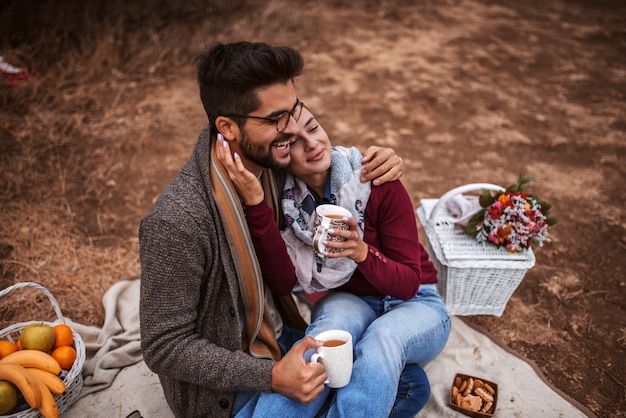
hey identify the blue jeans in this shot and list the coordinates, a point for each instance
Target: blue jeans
(392, 339)
(250, 404)
(388, 334)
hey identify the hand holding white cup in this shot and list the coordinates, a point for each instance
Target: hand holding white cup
(336, 356)
(329, 217)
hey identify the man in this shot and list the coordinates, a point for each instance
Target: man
(209, 328)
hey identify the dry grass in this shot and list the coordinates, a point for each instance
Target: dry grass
(58, 135)
(60, 131)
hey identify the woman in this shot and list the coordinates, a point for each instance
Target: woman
(388, 300)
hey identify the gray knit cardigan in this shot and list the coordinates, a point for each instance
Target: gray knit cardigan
(190, 311)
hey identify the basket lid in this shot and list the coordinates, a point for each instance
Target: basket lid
(453, 246)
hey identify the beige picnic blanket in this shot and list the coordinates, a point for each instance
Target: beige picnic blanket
(117, 344)
(118, 382)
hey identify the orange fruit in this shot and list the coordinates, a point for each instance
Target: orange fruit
(63, 335)
(65, 355)
(19, 344)
(7, 347)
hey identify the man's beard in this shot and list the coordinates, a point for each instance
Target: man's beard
(258, 155)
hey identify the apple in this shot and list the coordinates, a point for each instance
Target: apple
(37, 337)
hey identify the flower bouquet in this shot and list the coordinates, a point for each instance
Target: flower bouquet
(513, 218)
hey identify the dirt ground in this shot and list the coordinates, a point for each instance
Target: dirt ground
(465, 91)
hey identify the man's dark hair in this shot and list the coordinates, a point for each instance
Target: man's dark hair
(229, 75)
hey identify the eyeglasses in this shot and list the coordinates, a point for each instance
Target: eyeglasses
(282, 120)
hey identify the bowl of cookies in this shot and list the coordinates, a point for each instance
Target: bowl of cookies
(473, 396)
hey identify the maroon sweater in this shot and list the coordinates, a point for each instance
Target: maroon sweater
(397, 262)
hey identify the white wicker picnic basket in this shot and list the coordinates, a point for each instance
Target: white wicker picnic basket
(74, 379)
(474, 278)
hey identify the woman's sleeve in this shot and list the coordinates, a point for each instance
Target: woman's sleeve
(394, 269)
(278, 272)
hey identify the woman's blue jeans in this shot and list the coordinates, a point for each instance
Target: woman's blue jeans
(393, 339)
(388, 334)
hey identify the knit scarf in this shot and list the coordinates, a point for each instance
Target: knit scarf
(315, 273)
(259, 339)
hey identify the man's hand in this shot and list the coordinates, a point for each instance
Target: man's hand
(293, 377)
(381, 165)
(246, 183)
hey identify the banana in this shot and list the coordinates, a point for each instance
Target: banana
(48, 406)
(33, 358)
(52, 382)
(25, 382)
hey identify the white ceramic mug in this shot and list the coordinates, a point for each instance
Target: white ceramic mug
(336, 356)
(328, 217)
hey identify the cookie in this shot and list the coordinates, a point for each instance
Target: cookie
(463, 386)
(484, 394)
(472, 403)
(490, 389)
(486, 407)
(469, 388)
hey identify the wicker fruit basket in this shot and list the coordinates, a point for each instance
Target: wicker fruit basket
(474, 278)
(74, 378)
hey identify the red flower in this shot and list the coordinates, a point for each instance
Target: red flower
(495, 210)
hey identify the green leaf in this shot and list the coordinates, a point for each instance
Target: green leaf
(521, 182)
(470, 229)
(545, 206)
(478, 216)
(552, 220)
(486, 199)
